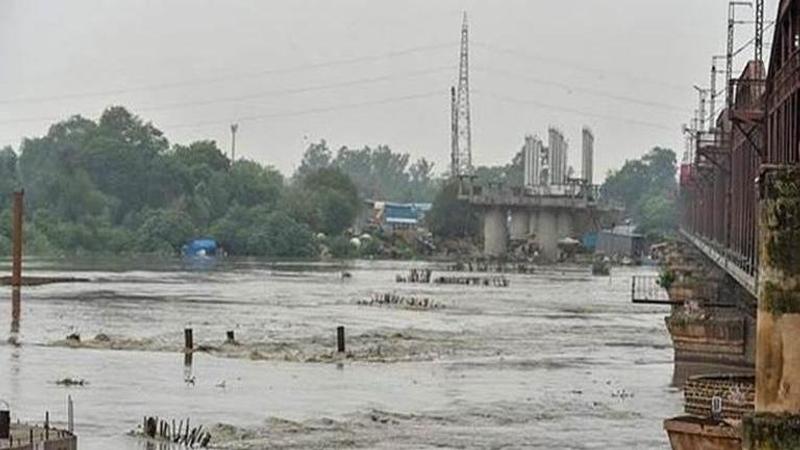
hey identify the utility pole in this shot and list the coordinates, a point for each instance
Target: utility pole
(702, 104)
(759, 39)
(454, 166)
(729, 54)
(712, 119)
(234, 129)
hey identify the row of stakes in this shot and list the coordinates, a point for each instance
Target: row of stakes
(230, 338)
(156, 428)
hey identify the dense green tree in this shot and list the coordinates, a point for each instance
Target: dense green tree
(333, 200)
(250, 184)
(116, 185)
(378, 173)
(450, 217)
(317, 156)
(202, 153)
(8, 176)
(164, 230)
(647, 187)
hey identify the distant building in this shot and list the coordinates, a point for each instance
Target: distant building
(587, 160)
(391, 216)
(620, 241)
(532, 159)
(557, 149)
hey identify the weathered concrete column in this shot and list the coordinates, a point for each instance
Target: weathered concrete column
(775, 425)
(564, 223)
(519, 223)
(495, 234)
(533, 222)
(547, 237)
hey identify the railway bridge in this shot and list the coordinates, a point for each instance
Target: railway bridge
(734, 276)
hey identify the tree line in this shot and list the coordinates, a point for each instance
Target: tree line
(116, 185)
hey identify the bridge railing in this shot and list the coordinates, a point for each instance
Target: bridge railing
(574, 190)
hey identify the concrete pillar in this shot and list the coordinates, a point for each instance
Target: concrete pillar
(564, 223)
(775, 425)
(519, 224)
(533, 222)
(495, 234)
(547, 237)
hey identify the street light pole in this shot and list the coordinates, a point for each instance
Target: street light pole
(234, 129)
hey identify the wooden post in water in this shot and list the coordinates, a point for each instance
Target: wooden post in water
(340, 339)
(230, 337)
(188, 347)
(188, 340)
(70, 415)
(16, 258)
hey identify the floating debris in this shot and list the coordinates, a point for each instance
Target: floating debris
(72, 382)
(497, 281)
(389, 299)
(496, 267)
(416, 276)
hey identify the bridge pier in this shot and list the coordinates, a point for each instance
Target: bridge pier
(533, 222)
(564, 223)
(520, 224)
(547, 236)
(775, 425)
(495, 233)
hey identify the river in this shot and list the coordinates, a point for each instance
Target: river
(557, 360)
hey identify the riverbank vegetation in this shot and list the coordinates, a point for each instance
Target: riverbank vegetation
(117, 185)
(648, 189)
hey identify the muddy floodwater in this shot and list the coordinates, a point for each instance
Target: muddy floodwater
(558, 359)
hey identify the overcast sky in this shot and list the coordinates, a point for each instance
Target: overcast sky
(366, 72)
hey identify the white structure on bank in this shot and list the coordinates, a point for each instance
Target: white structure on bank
(587, 162)
(557, 157)
(532, 161)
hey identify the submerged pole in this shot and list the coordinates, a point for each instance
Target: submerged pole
(16, 252)
(188, 340)
(340, 339)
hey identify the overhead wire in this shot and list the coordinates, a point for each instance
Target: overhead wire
(574, 111)
(582, 89)
(216, 79)
(275, 92)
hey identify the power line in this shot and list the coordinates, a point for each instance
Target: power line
(590, 91)
(579, 67)
(209, 80)
(275, 92)
(332, 108)
(550, 107)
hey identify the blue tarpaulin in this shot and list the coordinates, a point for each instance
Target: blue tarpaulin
(200, 247)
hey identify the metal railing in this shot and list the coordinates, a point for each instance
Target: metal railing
(646, 289)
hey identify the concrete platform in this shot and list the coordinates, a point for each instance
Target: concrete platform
(52, 439)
